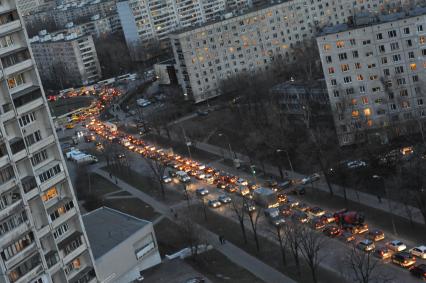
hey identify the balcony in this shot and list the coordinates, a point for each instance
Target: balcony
(29, 183)
(15, 233)
(25, 96)
(52, 258)
(30, 105)
(7, 185)
(72, 246)
(17, 146)
(64, 217)
(9, 210)
(4, 160)
(85, 275)
(41, 144)
(19, 67)
(10, 27)
(27, 270)
(22, 255)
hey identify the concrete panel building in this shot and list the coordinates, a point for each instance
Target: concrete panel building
(249, 42)
(68, 57)
(123, 245)
(375, 74)
(42, 238)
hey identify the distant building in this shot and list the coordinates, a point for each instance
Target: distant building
(375, 75)
(66, 57)
(250, 41)
(123, 246)
(297, 98)
(96, 26)
(165, 72)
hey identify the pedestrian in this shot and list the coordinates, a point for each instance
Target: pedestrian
(223, 240)
(220, 239)
(110, 175)
(379, 198)
(116, 181)
(176, 215)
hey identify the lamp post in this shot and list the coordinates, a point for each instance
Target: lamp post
(229, 144)
(288, 157)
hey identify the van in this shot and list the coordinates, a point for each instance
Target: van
(183, 177)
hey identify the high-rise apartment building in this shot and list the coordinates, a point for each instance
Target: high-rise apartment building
(249, 42)
(42, 238)
(375, 74)
(150, 19)
(71, 58)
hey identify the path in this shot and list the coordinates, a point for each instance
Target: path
(232, 252)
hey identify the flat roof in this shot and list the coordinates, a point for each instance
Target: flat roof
(106, 228)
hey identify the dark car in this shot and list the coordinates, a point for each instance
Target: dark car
(300, 216)
(356, 229)
(375, 235)
(172, 173)
(328, 217)
(382, 253)
(332, 231)
(403, 259)
(317, 224)
(347, 236)
(419, 271)
(230, 188)
(285, 210)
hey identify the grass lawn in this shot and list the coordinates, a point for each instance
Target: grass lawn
(62, 106)
(168, 237)
(101, 186)
(133, 206)
(145, 184)
(216, 267)
(269, 251)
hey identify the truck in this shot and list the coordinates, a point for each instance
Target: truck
(85, 159)
(348, 218)
(265, 197)
(73, 152)
(110, 126)
(183, 177)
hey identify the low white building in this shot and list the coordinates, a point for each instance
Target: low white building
(122, 245)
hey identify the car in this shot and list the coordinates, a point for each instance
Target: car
(356, 164)
(202, 192)
(317, 224)
(315, 212)
(200, 175)
(347, 236)
(284, 184)
(375, 235)
(382, 253)
(214, 203)
(300, 216)
(202, 113)
(282, 197)
(231, 188)
(356, 229)
(419, 271)
(366, 245)
(419, 251)
(396, 246)
(277, 221)
(332, 231)
(209, 179)
(242, 182)
(293, 203)
(271, 212)
(328, 217)
(224, 199)
(285, 210)
(403, 259)
(249, 207)
(195, 280)
(310, 179)
(167, 179)
(221, 185)
(121, 155)
(303, 207)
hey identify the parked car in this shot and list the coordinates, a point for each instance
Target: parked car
(310, 179)
(202, 192)
(396, 246)
(375, 235)
(366, 245)
(293, 203)
(356, 164)
(332, 231)
(419, 251)
(167, 179)
(419, 271)
(209, 179)
(383, 253)
(300, 216)
(403, 259)
(271, 212)
(249, 207)
(242, 182)
(224, 199)
(214, 203)
(347, 236)
(277, 221)
(282, 197)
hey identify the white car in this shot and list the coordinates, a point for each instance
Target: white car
(214, 203)
(419, 251)
(167, 179)
(310, 179)
(202, 192)
(396, 246)
(356, 164)
(209, 178)
(242, 182)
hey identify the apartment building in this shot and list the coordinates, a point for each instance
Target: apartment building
(249, 42)
(375, 75)
(146, 19)
(42, 238)
(72, 57)
(96, 26)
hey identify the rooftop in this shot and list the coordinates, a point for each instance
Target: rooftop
(318, 84)
(106, 228)
(367, 19)
(43, 36)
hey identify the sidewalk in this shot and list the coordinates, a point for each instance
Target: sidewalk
(232, 252)
(385, 205)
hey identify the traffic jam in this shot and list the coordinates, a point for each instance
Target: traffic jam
(276, 200)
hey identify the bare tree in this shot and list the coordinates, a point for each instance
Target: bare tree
(238, 207)
(283, 241)
(192, 234)
(292, 233)
(254, 220)
(363, 267)
(157, 169)
(311, 245)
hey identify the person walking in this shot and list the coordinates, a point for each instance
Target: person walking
(220, 239)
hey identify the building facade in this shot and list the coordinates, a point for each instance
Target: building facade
(376, 76)
(123, 246)
(96, 26)
(70, 57)
(150, 19)
(42, 238)
(250, 42)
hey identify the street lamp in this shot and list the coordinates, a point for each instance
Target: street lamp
(288, 157)
(229, 144)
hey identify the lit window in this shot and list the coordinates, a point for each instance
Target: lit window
(422, 39)
(354, 102)
(355, 113)
(367, 111)
(340, 44)
(50, 194)
(359, 77)
(327, 47)
(344, 67)
(370, 123)
(364, 100)
(413, 66)
(331, 70)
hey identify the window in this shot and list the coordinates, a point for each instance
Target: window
(333, 82)
(373, 77)
(354, 102)
(364, 100)
(328, 59)
(420, 101)
(413, 66)
(343, 56)
(357, 65)
(347, 80)
(39, 157)
(352, 41)
(335, 93)
(400, 81)
(61, 210)
(399, 69)
(409, 42)
(384, 60)
(355, 54)
(422, 39)
(392, 33)
(33, 138)
(394, 46)
(355, 113)
(393, 106)
(344, 67)
(382, 48)
(61, 230)
(17, 246)
(16, 80)
(50, 173)
(367, 111)
(406, 30)
(12, 222)
(405, 104)
(359, 78)
(362, 89)
(379, 36)
(6, 41)
(331, 70)
(396, 57)
(340, 44)
(403, 92)
(6, 173)
(350, 91)
(365, 42)
(411, 55)
(415, 78)
(420, 28)
(375, 89)
(373, 65)
(27, 119)
(386, 72)
(326, 47)
(49, 194)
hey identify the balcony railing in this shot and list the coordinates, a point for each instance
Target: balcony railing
(52, 258)
(29, 183)
(84, 276)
